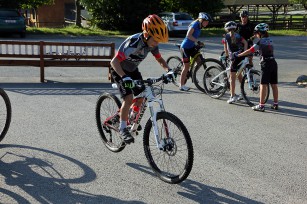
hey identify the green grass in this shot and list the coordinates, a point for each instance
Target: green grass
(218, 32)
(76, 31)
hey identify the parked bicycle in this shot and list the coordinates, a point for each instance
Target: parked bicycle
(198, 64)
(5, 113)
(225, 60)
(216, 82)
(166, 141)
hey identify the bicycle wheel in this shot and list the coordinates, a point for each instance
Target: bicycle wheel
(199, 70)
(173, 162)
(175, 63)
(5, 114)
(107, 107)
(215, 82)
(251, 93)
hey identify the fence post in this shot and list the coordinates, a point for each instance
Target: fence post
(41, 62)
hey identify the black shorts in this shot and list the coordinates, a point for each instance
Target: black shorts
(187, 53)
(135, 75)
(269, 70)
(234, 65)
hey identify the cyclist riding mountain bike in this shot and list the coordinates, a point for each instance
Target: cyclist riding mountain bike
(125, 64)
(188, 45)
(268, 64)
(246, 30)
(234, 43)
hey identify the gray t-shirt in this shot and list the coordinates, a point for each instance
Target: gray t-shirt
(133, 51)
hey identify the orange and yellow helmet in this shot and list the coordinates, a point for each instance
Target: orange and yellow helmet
(156, 28)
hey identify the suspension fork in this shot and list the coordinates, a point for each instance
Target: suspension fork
(160, 143)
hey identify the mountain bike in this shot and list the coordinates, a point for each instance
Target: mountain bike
(198, 64)
(216, 82)
(5, 113)
(166, 141)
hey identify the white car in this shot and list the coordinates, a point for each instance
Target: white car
(177, 22)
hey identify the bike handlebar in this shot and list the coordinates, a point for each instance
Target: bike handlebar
(149, 81)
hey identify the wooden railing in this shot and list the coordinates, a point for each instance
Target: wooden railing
(60, 54)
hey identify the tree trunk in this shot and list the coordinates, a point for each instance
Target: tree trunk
(78, 13)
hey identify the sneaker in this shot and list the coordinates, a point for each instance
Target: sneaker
(126, 136)
(274, 106)
(258, 108)
(184, 88)
(232, 99)
(240, 97)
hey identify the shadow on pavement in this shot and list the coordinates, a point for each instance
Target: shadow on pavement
(202, 193)
(58, 88)
(64, 88)
(38, 176)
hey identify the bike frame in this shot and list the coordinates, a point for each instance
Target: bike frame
(242, 65)
(149, 100)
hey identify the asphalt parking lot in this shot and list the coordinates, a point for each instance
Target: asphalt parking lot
(53, 153)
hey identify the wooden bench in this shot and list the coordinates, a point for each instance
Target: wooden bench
(56, 54)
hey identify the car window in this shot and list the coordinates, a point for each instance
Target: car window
(9, 14)
(183, 17)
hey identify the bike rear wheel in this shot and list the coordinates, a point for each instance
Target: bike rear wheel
(5, 113)
(106, 107)
(175, 63)
(199, 70)
(215, 83)
(173, 162)
(251, 93)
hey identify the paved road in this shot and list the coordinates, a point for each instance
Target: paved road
(53, 153)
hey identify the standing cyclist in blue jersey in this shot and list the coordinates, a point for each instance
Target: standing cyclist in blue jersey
(127, 59)
(188, 45)
(268, 64)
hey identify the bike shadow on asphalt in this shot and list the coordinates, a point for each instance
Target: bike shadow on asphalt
(35, 173)
(201, 193)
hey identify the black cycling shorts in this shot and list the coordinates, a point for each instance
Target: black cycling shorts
(187, 53)
(234, 65)
(135, 75)
(269, 70)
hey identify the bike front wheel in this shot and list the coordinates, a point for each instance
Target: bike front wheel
(199, 70)
(107, 107)
(215, 81)
(175, 63)
(173, 160)
(5, 113)
(251, 90)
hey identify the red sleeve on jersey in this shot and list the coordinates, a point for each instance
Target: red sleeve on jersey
(252, 49)
(120, 56)
(157, 56)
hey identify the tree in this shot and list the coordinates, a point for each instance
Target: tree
(78, 13)
(34, 4)
(120, 14)
(129, 14)
(10, 3)
(193, 7)
(303, 2)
